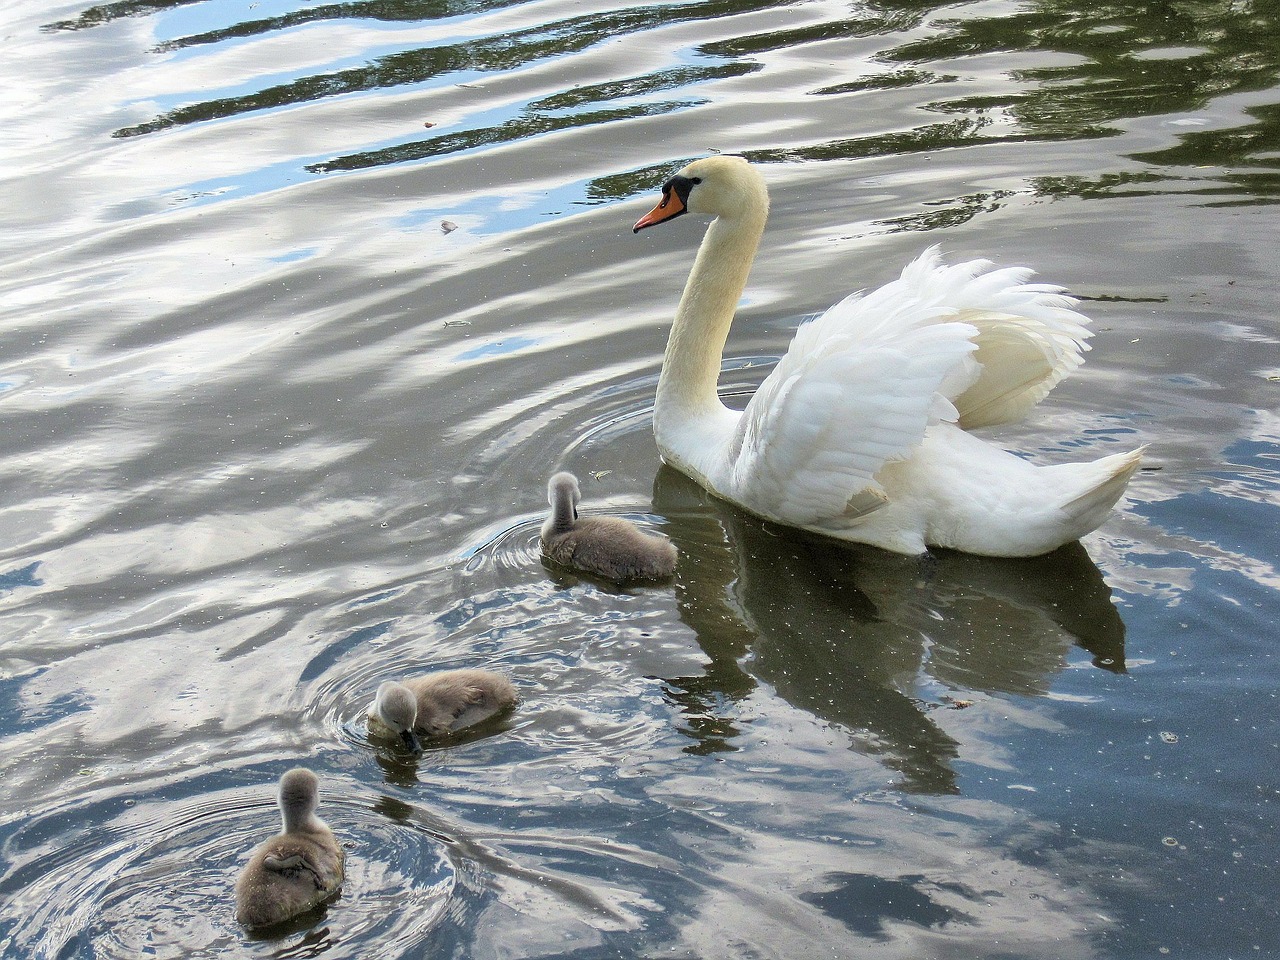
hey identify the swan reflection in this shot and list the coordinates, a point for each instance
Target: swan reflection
(847, 632)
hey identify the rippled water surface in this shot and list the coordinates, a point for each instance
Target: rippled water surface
(301, 303)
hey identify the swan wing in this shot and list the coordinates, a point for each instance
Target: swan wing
(835, 410)
(861, 383)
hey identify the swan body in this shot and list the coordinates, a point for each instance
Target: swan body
(299, 868)
(860, 432)
(609, 547)
(439, 703)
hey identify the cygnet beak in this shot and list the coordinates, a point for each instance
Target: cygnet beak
(411, 741)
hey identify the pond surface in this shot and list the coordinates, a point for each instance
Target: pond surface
(300, 305)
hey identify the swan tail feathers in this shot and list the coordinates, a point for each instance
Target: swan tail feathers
(1106, 483)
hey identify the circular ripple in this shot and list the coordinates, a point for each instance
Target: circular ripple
(517, 548)
(158, 881)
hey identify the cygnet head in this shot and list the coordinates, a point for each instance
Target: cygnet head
(397, 707)
(564, 487)
(720, 186)
(564, 495)
(299, 794)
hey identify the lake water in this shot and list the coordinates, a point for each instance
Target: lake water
(300, 305)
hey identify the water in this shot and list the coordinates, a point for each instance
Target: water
(301, 303)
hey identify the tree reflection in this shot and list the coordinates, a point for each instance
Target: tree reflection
(106, 12)
(1127, 61)
(386, 11)
(1093, 67)
(847, 632)
(492, 54)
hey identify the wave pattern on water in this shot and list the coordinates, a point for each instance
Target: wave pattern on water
(154, 878)
(301, 304)
(1121, 65)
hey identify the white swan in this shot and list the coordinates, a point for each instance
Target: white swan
(609, 547)
(860, 431)
(299, 868)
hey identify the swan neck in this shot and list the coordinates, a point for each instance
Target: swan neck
(691, 367)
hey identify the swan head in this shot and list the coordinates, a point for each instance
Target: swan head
(720, 186)
(299, 794)
(397, 707)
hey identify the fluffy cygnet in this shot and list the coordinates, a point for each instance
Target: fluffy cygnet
(439, 703)
(608, 547)
(295, 870)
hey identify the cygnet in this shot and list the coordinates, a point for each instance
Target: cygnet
(608, 547)
(439, 703)
(299, 868)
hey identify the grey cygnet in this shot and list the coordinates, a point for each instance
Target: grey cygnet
(609, 547)
(439, 703)
(299, 868)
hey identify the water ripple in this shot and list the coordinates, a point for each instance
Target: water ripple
(301, 303)
(156, 879)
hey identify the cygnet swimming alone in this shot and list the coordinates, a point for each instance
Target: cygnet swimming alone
(439, 703)
(608, 547)
(299, 868)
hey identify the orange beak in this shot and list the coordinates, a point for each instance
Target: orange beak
(669, 206)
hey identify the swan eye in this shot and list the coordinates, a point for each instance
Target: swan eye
(695, 180)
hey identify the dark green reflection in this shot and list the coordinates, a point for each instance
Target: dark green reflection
(889, 81)
(1127, 61)
(950, 213)
(106, 12)
(846, 632)
(641, 86)
(1130, 60)
(385, 10)
(619, 186)
(1252, 151)
(512, 130)
(965, 132)
(489, 54)
(390, 11)
(544, 116)
(874, 21)
(933, 137)
(1074, 71)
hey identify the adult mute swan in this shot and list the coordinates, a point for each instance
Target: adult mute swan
(299, 868)
(860, 432)
(609, 547)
